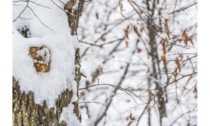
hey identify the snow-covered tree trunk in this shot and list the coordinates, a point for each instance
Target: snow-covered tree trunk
(46, 63)
(27, 113)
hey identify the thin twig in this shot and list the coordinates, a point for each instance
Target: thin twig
(40, 19)
(21, 11)
(93, 102)
(183, 8)
(40, 5)
(145, 108)
(58, 6)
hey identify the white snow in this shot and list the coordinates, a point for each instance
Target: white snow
(67, 116)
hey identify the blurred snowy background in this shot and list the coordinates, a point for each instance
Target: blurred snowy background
(139, 57)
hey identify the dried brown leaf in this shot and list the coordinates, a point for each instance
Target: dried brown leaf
(82, 93)
(126, 43)
(163, 58)
(178, 64)
(191, 41)
(166, 28)
(163, 42)
(131, 117)
(139, 50)
(69, 5)
(175, 72)
(185, 37)
(126, 33)
(136, 31)
(121, 7)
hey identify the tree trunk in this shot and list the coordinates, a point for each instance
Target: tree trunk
(26, 112)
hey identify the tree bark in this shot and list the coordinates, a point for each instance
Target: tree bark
(27, 113)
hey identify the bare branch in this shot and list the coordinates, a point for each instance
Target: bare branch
(183, 8)
(40, 19)
(22, 11)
